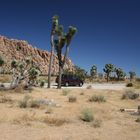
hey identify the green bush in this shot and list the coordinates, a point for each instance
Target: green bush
(72, 98)
(86, 115)
(97, 98)
(130, 95)
(42, 83)
(129, 85)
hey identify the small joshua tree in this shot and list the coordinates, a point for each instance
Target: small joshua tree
(108, 69)
(93, 71)
(120, 73)
(33, 73)
(59, 39)
(23, 70)
(132, 75)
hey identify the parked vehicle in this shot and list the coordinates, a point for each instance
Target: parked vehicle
(70, 80)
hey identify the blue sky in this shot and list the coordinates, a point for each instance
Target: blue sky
(108, 30)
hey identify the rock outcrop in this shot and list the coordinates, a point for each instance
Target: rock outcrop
(19, 49)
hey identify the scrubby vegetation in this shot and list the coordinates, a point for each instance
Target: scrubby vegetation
(130, 95)
(72, 98)
(129, 85)
(65, 92)
(87, 115)
(138, 120)
(97, 98)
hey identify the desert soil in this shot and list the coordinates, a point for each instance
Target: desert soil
(63, 122)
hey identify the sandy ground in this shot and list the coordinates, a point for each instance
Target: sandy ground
(26, 124)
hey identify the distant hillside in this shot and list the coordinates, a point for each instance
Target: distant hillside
(9, 51)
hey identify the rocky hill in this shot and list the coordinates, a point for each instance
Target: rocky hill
(19, 49)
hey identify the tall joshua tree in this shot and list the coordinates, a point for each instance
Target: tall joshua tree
(53, 32)
(108, 69)
(63, 40)
(59, 40)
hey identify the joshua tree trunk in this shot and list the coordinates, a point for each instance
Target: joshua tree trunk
(60, 75)
(65, 56)
(107, 77)
(51, 61)
(61, 66)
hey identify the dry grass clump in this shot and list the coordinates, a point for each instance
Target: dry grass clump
(65, 92)
(5, 78)
(97, 98)
(89, 87)
(82, 93)
(24, 102)
(138, 120)
(34, 103)
(87, 115)
(130, 95)
(5, 99)
(25, 119)
(54, 121)
(72, 98)
(28, 101)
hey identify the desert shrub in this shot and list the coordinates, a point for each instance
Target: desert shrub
(72, 98)
(138, 120)
(5, 99)
(42, 83)
(48, 110)
(130, 95)
(82, 93)
(65, 92)
(129, 85)
(34, 103)
(89, 87)
(97, 98)
(86, 115)
(24, 102)
(54, 121)
(25, 119)
(2, 85)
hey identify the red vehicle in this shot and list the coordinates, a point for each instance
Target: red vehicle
(70, 80)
